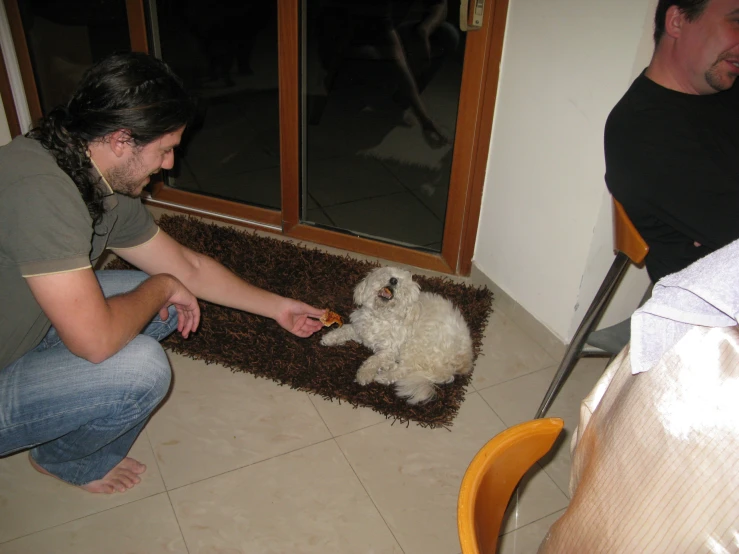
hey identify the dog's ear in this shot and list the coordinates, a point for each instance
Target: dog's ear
(415, 290)
(359, 292)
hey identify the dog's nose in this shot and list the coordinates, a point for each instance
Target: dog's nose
(393, 281)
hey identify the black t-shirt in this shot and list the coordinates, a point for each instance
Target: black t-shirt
(672, 160)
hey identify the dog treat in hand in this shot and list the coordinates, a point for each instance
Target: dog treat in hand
(329, 318)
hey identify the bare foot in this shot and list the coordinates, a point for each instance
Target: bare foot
(119, 479)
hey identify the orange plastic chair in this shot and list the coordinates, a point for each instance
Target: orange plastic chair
(629, 247)
(493, 475)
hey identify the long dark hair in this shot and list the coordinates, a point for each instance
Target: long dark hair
(692, 9)
(131, 91)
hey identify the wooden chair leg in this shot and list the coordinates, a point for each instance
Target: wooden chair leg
(595, 311)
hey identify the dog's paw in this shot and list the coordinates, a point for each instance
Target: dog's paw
(332, 338)
(366, 375)
(386, 377)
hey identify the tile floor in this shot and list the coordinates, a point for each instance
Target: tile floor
(241, 465)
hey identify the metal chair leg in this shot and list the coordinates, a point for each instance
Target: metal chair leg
(595, 311)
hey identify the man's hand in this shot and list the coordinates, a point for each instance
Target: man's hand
(188, 309)
(297, 317)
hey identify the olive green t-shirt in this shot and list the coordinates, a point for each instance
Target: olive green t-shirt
(45, 228)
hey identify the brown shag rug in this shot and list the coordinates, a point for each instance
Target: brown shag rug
(257, 345)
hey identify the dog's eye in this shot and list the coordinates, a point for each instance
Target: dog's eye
(393, 281)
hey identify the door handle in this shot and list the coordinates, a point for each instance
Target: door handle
(471, 20)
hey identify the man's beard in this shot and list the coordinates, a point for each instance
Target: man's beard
(127, 179)
(716, 78)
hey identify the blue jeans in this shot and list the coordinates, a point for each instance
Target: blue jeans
(80, 418)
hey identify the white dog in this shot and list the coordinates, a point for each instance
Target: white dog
(419, 339)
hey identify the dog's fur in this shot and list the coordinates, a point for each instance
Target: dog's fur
(419, 339)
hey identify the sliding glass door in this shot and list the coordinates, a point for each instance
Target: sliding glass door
(381, 86)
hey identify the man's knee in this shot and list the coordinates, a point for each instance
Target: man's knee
(160, 329)
(171, 320)
(144, 369)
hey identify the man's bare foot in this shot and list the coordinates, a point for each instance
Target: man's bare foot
(119, 479)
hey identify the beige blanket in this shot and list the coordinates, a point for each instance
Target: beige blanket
(655, 464)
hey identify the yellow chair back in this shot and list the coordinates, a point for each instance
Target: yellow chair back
(493, 475)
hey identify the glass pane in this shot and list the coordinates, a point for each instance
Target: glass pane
(65, 37)
(226, 52)
(380, 92)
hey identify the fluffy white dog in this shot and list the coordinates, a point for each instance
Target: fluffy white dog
(419, 339)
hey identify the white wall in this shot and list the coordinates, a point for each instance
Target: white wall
(7, 50)
(544, 235)
(4, 129)
(600, 256)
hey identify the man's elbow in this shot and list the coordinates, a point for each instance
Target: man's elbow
(95, 351)
(195, 262)
(97, 357)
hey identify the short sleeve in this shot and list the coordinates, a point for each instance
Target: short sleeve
(135, 224)
(47, 226)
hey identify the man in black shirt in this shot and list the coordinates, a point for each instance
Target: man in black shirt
(672, 142)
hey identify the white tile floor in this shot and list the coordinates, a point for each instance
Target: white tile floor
(242, 465)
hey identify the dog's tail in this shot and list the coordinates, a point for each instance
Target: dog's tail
(416, 387)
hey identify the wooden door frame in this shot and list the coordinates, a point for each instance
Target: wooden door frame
(474, 128)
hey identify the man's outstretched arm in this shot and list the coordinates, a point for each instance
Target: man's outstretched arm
(211, 281)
